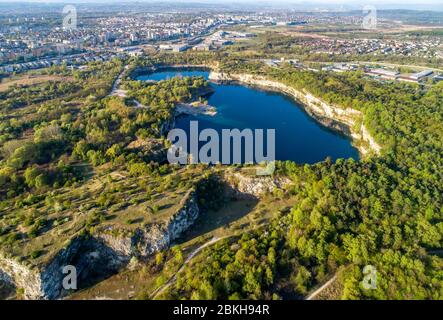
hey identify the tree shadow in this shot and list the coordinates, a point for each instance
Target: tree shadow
(214, 219)
(7, 290)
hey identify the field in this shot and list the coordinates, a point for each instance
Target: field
(78, 163)
(141, 280)
(29, 80)
(114, 200)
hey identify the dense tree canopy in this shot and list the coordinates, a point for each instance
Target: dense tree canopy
(384, 211)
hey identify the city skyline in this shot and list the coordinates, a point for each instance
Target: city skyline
(133, 138)
(348, 4)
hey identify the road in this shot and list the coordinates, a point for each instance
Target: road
(211, 242)
(386, 64)
(188, 259)
(115, 86)
(117, 92)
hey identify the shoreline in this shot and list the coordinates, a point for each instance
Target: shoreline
(343, 121)
(332, 117)
(195, 109)
(159, 68)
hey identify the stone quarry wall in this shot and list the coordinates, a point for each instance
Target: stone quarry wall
(241, 186)
(104, 252)
(154, 237)
(334, 117)
(107, 250)
(21, 276)
(343, 120)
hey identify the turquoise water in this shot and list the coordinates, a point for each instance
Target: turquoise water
(298, 137)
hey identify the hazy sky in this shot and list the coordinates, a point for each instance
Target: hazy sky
(434, 4)
(361, 2)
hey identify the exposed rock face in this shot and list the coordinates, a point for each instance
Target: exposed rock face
(167, 126)
(85, 253)
(105, 252)
(195, 109)
(20, 275)
(4, 277)
(152, 238)
(244, 187)
(88, 255)
(343, 120)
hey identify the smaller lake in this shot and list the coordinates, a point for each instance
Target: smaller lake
(298, 137)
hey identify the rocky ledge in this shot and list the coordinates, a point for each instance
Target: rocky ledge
(243, 186)
(151, 238)
(194, 109)
(104, 252)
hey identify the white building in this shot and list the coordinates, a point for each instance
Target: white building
(421, 75)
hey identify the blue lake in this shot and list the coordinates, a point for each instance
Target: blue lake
(298, 137)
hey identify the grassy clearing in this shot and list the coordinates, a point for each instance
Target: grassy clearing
(115, 200)
(29, 80)
(232, 220)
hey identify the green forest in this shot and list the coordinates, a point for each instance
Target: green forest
(385, 211)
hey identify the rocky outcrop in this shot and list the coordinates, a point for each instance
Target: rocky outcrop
(84, 252)
(241, 186)
(90, 257)
(167, 126)
(15, 272)
(347, 121)
(151, 238)
(102, 253)
(194, 109)
(151, 149)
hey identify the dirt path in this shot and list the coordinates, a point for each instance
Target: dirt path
(188, 259)
(116, 85)
(323, 287)
(211, 242)
(117, 92)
